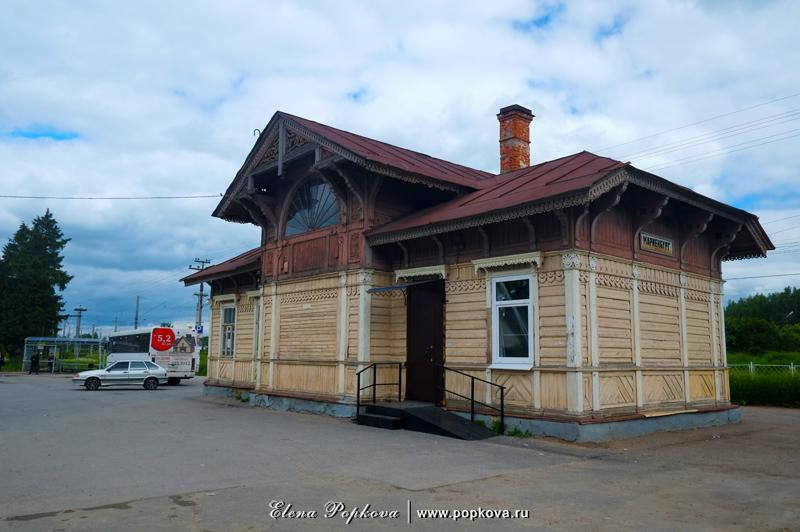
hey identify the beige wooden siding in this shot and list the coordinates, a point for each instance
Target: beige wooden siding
(388, 326)
(306, 378)
(614, 325)
(308, 325)
(659, 329)
(698, 332)
(552, 321)
(554, 391)
(243, 343)
(518, 387)
(467, 322)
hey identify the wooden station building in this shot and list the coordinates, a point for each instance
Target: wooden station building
(586, 288)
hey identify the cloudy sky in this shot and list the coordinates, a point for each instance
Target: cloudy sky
(161, 98)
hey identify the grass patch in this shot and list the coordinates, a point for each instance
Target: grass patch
(516, 432)
(767, 389)
(202, 366)
(12, 364)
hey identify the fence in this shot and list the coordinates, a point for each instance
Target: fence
(765, 384)
(762, 369)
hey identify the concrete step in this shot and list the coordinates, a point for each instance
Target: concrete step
(429, 418)
(380, 420)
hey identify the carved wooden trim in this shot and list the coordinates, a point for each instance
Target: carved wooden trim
(725, 235)
(354, 187)
(485, 242)
(439, 248)
(604, 204)
(425, 271)
(533, 259)
(531, 232)
(404, 250)
(695, 226)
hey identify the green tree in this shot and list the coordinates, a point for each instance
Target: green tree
(781, 308)
(31, 277)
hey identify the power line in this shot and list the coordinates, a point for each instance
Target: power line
(781, 219)
(726, 151)
(702, 121)
(763, 276)
(784, 230)
(13, 196)
(708, 138)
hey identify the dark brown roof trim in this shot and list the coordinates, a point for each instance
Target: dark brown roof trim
(586, 196)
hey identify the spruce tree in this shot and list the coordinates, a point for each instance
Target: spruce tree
(31, 279)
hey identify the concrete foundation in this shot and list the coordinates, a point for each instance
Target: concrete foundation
(617, 430)
(283, 404)
(573, 431)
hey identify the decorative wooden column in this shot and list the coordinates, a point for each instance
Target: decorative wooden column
(687, 397)
(274, 325)
(364, 280)
(594, 334)
(258, 324)
(637, 335)
(342, 331)
(571, 263)
(713, 302)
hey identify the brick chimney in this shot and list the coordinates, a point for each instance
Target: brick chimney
(515, 137)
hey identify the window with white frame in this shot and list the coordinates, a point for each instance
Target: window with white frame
(228, 332)
(512, 321)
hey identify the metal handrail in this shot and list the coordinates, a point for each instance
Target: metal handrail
(375, 382)
(471, 398)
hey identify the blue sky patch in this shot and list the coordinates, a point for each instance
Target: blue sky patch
(358, 95)
(606, 31)
(41, 131)
(544, 19)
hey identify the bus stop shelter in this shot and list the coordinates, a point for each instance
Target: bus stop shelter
(59, 354)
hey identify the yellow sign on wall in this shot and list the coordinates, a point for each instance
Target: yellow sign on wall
(655, 244)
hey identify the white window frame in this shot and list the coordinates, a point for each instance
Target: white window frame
(499, 362)
(222, 327)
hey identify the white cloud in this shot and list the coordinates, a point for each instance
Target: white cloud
(165, 97)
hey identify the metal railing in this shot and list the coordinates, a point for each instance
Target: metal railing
(374, 385)
(472, 402)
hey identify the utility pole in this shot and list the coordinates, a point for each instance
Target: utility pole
(78, 316)
(115, 323)
(136, 315)
(201, 265)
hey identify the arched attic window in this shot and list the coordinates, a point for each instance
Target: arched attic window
(313, 206)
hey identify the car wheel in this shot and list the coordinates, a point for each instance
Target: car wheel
(150, 383)
(92, 383)
(173, 381)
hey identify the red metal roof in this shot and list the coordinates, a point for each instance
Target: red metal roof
(526, 185)
(394, 156)
(247, 260)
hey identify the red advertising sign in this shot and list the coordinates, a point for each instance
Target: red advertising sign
(162, 339)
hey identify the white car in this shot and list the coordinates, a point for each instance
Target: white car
(123, 373)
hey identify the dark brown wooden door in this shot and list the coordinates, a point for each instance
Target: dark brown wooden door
(424, 341)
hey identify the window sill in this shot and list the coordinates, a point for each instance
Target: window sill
(527, 366)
